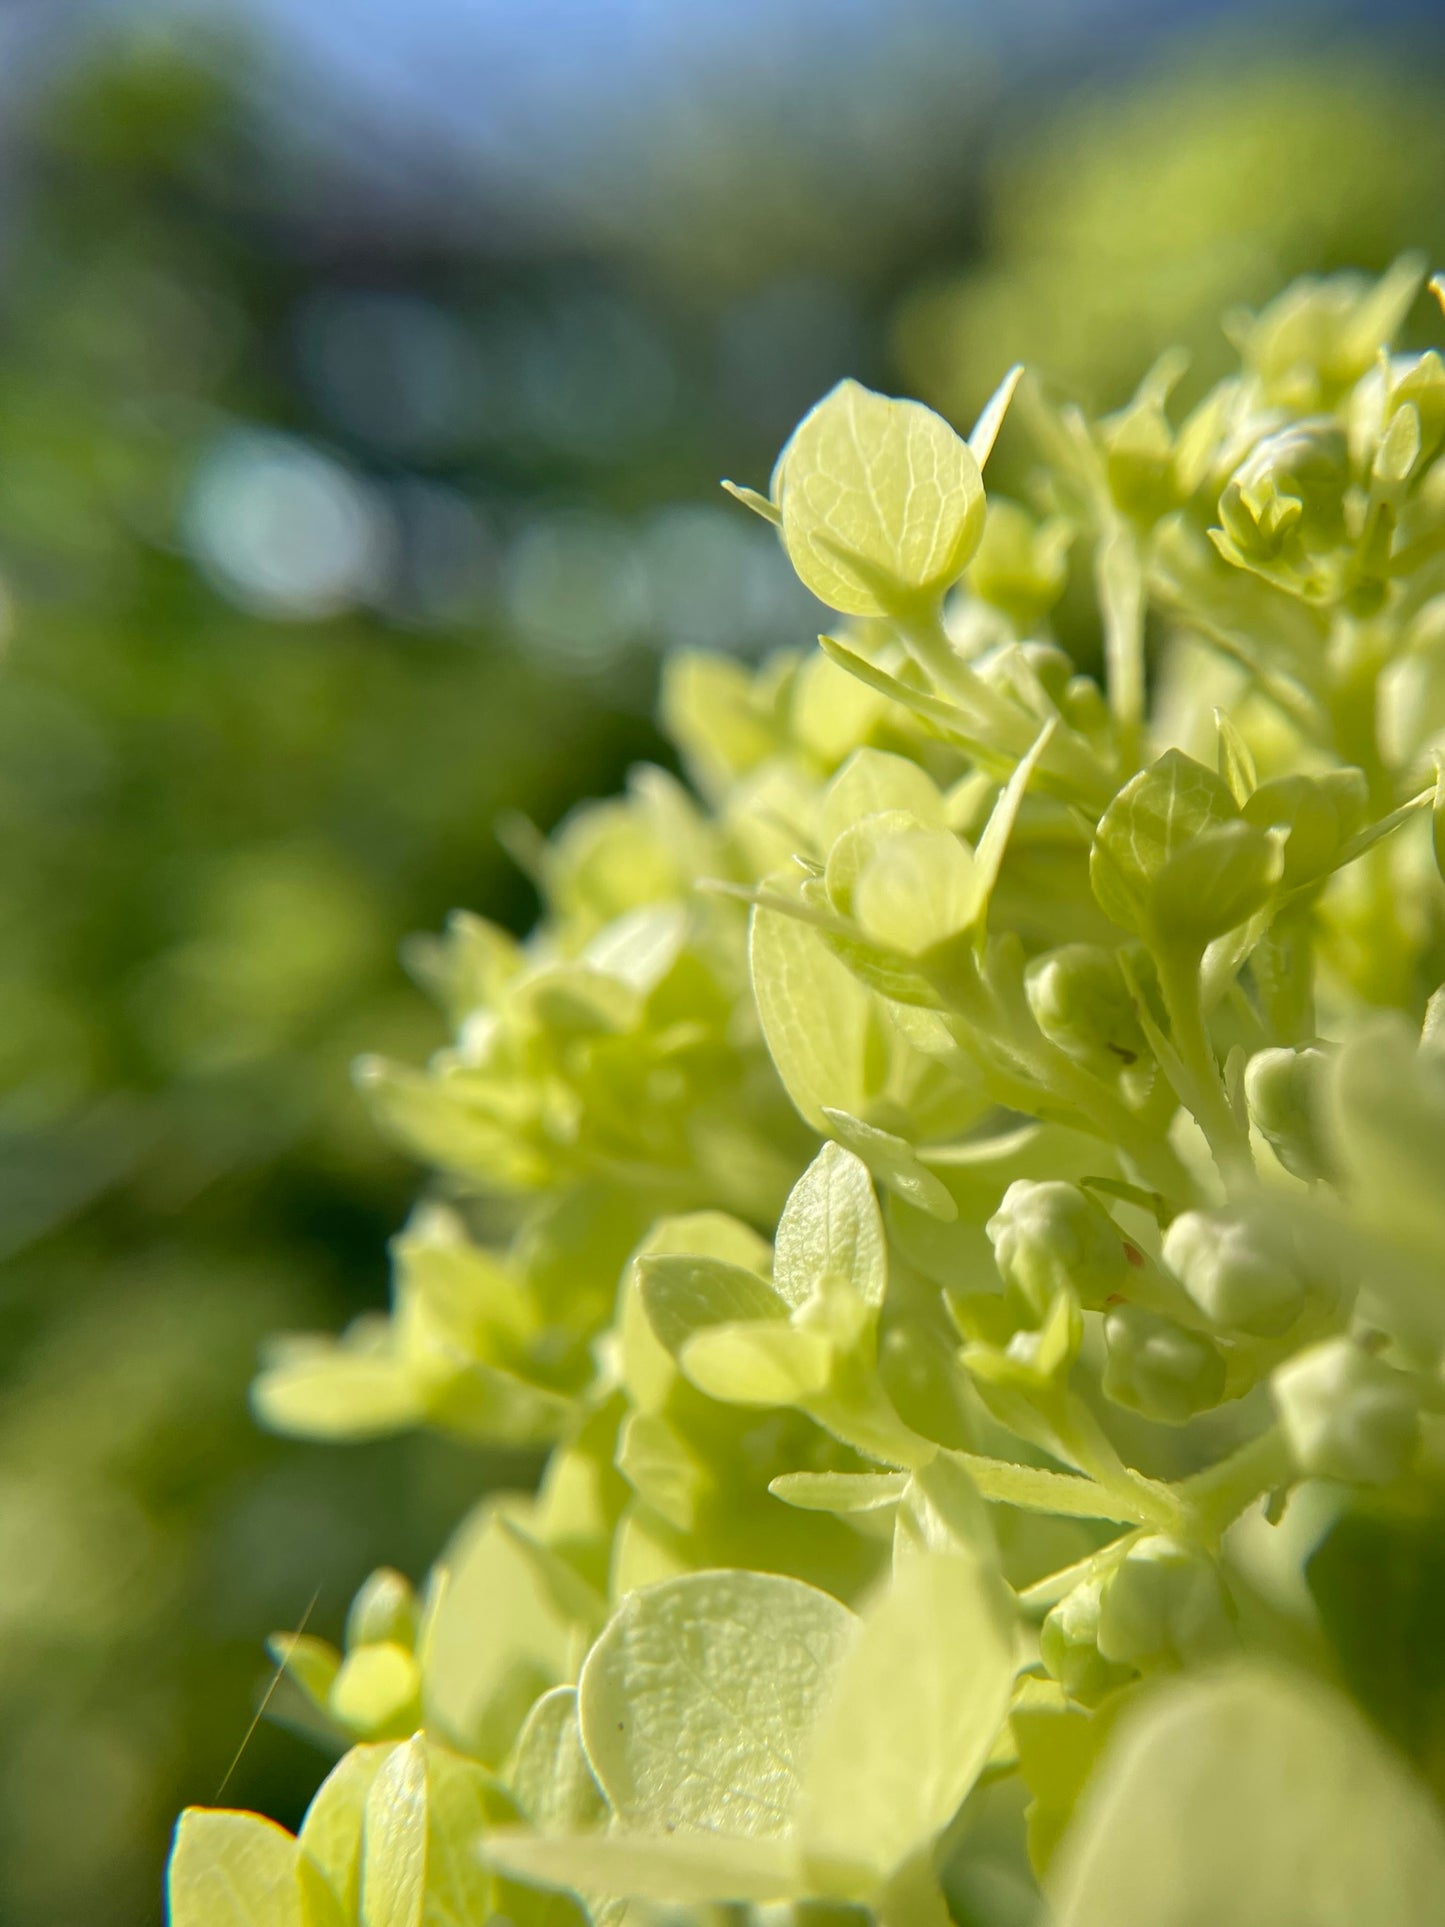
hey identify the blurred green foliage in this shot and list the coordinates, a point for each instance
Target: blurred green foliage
(1139, 214)
(217, 832)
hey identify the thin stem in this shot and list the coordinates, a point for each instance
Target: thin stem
(1122, 602)
(1036, 1600)
(1215, 1498)
(1149, 1501)
(1227, 1138)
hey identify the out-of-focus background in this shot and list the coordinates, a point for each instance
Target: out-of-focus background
(366, 372)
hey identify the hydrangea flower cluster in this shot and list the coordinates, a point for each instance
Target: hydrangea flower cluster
(955, 1194)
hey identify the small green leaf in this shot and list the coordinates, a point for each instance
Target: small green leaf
(984, 433)
(1157, 814)
(233, 1870)
(1376, 832)
(375, 1694)
(698, 1702)
(854, 849)
(463, 1802)
(1255, 1797)
(993, 844)
(873, 780)
(882, 503)
(549, 1775)
(1236, 763)
(317, 1388)
(682, 1294)
(331, 1833)
(918, 1705)
(817, 1018)
(1216, 882)
(893, 1162)
(919, 888)
(1059, 1744)
(830, 1232)
(393, 1873)
(840, 1492)
(497, 1638)
(758, 1364)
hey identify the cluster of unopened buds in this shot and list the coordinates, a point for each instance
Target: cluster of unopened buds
(951, 1200)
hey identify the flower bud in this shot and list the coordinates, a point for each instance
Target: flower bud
(1286, 499)
(1346, 1414)
(1163, 1605)
(1314, 341)
(1050, 1237)
(1069, 1647)
(1231, 1274)
(377, 1693)
(1081, 1003)
(1033, 1364)
(383, 1610)
(1318, 815)
(1281, 1087)
(1052, 665)
(1139, 459)
(1086, 708)
(1158, 1368)
(1421, 385)
(1020, 568)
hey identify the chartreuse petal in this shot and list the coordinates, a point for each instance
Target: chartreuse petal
(918, 888)
(893, 1162)
(830, 1232)
(331, 1833)
(758, 1363)
(1160, 812)
(463, 1804)
(699, 1700)
(317, 1388)
(397, 1829)
(393, 1867)
(549, 1775)
(683, 1294)
(920, 1697)
(697, 1707)
(874, 780)
(234, 1870)
(882, 503)
(1255, 1797)
(496, 1639)
(819, 1022)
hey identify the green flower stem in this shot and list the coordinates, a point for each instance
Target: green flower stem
(1044, 1594)
(1227, 1138)
(1030, 1074)
(1214, 1499)
(1002, 723)
(1354, 716)
(856, 1409)
(1149, 1502)
(1122, 604)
